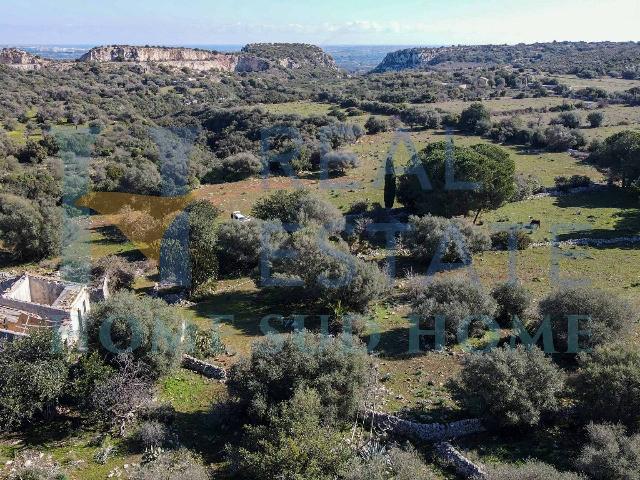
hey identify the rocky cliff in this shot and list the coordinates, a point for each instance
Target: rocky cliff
(194, 59)
(21, 60)
(414, 58)
(293, 56)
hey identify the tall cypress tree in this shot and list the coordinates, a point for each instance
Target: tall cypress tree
(389, 183)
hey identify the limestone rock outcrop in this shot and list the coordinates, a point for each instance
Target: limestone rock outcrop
(195, 59)
(413, 58)
(21, 60)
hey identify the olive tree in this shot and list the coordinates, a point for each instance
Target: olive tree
(337, 368)
(510, 387)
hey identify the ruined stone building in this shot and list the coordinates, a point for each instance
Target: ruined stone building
(29, 302)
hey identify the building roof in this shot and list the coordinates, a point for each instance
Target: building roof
(18, 323)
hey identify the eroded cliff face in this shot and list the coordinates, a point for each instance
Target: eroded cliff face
(200, 60)
(21, 60)
(413, 58)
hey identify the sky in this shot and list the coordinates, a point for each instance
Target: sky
(323, 22)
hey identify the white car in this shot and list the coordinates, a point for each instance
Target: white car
(239, 217)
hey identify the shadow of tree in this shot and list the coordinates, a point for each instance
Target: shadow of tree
(627, 221)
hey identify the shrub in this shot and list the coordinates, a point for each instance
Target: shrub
(418, 117)
(240, 244)
(152, 434)
(295, 444)
(427, 233)
(376, 125)
(236, 167)
(568, 119)
(559, 138)
(205, 343)
(530, 470)
(34, 375)
(29, 228)
(338, 368)
(393, 464)
(525, 186)
(337, 161)
(171, 465)
(329, 273)
(454, 298)
(473, 117)
(608, 315)
(607, 384)
(501, 240)
(89, 372)
(147, 326)
(610, 453)
(299, 207)
(565, 184)
(595, 119)
(513, 299)
(509, 387)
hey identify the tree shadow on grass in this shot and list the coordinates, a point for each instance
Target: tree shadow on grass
(627, 221)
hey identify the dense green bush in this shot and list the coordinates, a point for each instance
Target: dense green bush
(530, 470)
(34, 376)
(376, 125)
(609, 316)
(427, 234)
(501, 240)
(607, 385)
(568, 119)
(513, 299)
(337, 368)
(454, 298)
(610, 454)
(145, 326)
(236, 167)
(295, 443)
(299, 207)
(30, 228)
(595, 119)
(337, 161)
(240, 244)
(329, 273)
(509, 387)
(418, 117)
(564, 184)
(473, 116)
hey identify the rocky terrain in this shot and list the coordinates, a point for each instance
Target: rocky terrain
(195, 59)
(21, 60)
(586, 59)
(252, 58)
(293, 56)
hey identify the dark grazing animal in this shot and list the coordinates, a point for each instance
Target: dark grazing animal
(534, 223)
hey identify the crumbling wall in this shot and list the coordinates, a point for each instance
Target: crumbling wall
(203, 368)
(428, 432)
(461, 464)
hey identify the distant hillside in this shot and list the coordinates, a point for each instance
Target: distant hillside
(293, 56)
(580, 58)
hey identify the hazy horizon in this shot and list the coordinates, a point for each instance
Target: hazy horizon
(356, 23)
